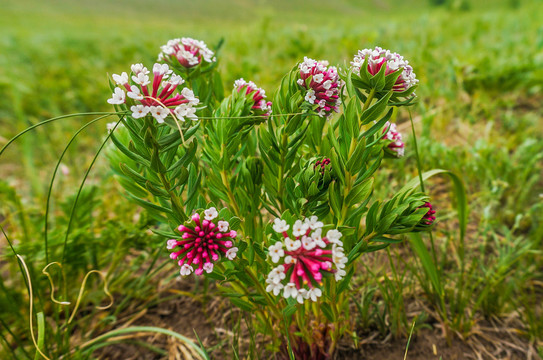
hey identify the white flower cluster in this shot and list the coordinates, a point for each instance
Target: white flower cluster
(188, 51)
(303, 257)
(378, 57)
(160, 101)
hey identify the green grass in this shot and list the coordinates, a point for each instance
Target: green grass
(479, 116)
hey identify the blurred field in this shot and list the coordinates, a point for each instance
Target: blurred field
(480, 66)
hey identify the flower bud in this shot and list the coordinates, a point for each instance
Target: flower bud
(255, 167)
(316, 177)
(429, 218)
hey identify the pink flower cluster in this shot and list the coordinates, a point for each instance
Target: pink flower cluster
(304, 257)
(160, 101)
(203, 243)
(189, 52)
(429, 218)
(322, 84)
(377, 58)
(261, 106)
(396, 145)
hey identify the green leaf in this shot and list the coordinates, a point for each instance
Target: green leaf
(387, 240)
(378, 80)
(157, 191)
(335, 199)
(345, 282)
(378, 125)
(132, 155)
(216, 276)
(360, 192)
(371, 217)
(242, 304)
(289, 310)
(426, 260)
(355, 163)
(374, 111)
(187, 156)
(150, 206)
(385, 223)
(327, 311)
(259, 251)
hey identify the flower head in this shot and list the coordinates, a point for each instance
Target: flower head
(257, 96)
(202, 243)
(394, 138)
(429, 218)
(188, 52)
(322, 85)
(377, 58)
(304, 259)
(159, 101)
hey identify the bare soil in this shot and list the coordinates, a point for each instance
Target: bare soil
(214, 322)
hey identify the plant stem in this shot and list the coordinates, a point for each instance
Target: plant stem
(229, 193)
(419, 168)
(348, 176)
(369, 99)
(173, 196)
(434, 256)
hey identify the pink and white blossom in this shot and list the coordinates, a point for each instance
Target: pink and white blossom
(211, 213)
(280, 226)
(118, 97)
(223, 226)
(232, 253)
(276, 252)
(395, 146)
(188, 52)
(201, 245)
(139, 111)
(120, 79)
(161, 99)
(321, 84)
(377, 58)
(303, 260)
(256, 95)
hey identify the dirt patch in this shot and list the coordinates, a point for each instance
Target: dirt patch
(427, 344)
(215, 322)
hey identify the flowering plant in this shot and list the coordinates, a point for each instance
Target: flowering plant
(274, 200)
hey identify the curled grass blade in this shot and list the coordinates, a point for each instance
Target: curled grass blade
(146, 329)
(41, 335)
(48, 121)
(50, 190)
(74, 206)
